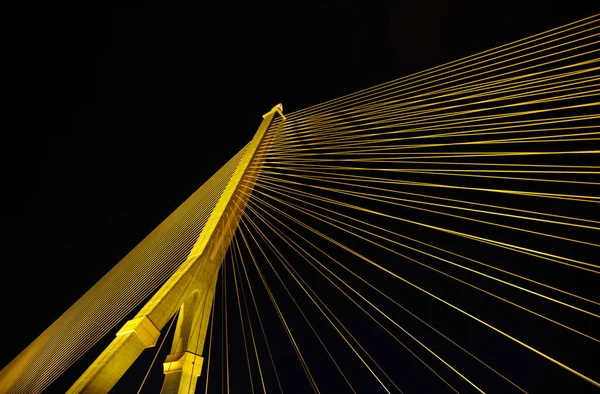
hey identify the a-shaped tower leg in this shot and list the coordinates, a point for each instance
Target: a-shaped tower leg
(182, 367)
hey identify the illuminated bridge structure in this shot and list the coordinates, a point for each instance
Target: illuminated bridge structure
(439, 232)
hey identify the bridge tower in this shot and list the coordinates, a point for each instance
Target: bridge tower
(189, 291)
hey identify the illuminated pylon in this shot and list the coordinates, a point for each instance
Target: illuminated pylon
(190, 290)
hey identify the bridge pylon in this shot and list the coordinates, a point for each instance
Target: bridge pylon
(189, 291)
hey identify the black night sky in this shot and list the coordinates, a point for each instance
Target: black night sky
(124, 112)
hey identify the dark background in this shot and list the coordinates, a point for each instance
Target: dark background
(121, 113)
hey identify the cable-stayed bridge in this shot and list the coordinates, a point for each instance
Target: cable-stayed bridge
(434, 233)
